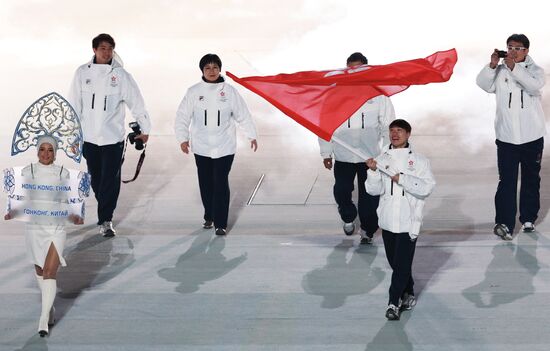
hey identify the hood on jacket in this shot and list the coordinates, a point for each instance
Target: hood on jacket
(116, 61)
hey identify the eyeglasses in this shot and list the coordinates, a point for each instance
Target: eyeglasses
(517, 48)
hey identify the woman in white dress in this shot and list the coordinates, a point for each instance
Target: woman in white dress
(45, 243)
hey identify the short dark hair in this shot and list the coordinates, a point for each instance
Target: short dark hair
(401, 123)
(521, 38)
(210, 58)
(357, 56)
(103, 37)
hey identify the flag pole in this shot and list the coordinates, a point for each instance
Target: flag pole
(357, 152)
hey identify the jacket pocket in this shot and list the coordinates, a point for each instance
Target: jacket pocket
(88, 98)
(108, 102)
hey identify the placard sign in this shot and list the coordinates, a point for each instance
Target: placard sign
(51, 201)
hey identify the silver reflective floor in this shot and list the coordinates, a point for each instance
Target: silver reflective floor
(286, 277)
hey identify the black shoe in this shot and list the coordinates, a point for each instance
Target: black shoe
(220, 231)
(349, 228)
(392, 313)
(528, 227)
(208, 224)
(502, 231)
(366, 239)
(407, 302)
(42, 333)
(107, 230)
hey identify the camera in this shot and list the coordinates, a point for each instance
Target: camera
(502, 53)
(136, 130)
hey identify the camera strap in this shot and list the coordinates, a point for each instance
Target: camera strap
(139, 164)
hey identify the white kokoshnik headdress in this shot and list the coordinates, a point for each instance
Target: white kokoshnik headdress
(50, 116)
(50, 119)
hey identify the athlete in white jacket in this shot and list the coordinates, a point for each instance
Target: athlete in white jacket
(206, 123)
(520, 128)
(100, 90)
(403, 179)
(365, 130)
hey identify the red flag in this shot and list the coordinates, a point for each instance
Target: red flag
(322, 100)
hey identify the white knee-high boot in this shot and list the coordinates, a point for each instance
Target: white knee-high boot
(40, 280)
(49, 289)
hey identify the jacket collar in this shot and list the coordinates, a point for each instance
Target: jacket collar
(389, 147)
(114, 63)
(219, 80)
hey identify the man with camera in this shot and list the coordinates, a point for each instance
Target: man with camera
(100, 90)
(520, 129)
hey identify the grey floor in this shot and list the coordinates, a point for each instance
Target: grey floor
(286, 277)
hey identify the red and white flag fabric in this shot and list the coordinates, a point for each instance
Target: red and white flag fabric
(322, 100)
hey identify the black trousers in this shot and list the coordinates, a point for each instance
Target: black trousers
(214, 186)
(528, 156)
(344, 178)
(400, 253)
(104, 167)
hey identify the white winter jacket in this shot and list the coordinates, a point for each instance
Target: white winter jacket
(401, 205)
(519, 117)
(366, 130)
(98, 94)
(207, 118)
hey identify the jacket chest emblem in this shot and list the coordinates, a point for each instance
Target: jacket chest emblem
(114, 81)
(88, 81)
(222, 98)
(411, 165)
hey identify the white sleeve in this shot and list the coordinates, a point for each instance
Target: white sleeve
(374, 185)
(486, 78)
(75, 94)
(183, 118)
(421, 184)
(326, 148)
(132, 97)
(242, 116)
(531, 80)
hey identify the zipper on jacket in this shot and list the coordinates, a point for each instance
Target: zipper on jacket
(93, 100)
(205, 117)
(522, 98)
(391, 188)
(349, 125)
(510, 101)
(218, 118)
(105, 103)
(362, 120)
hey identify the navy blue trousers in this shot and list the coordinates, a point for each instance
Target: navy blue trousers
(214, 187)
(344, 179)
(104, 167)
(400, 253)
(511, 158)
